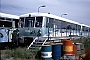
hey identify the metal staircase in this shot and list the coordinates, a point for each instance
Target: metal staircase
(37, 43)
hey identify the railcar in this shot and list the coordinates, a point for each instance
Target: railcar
(85, 30)
(34, 25)
(8, 23)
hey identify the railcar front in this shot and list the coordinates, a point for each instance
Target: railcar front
(8, 23)
(31, 27)
(6, 31)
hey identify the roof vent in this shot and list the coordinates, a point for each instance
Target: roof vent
(29, 15)
(48, 13)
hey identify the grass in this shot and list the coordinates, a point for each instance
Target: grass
(19, 54)
(85, 41)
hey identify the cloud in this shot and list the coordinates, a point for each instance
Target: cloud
(78, 10)
(50, 2)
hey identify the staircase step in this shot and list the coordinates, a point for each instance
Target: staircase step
(32, 47)
(47, 42)
(39, 45)
(33, 50)
(36, 45)
(38, 42)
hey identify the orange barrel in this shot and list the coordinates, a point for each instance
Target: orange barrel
(67, 46)
(74, 49)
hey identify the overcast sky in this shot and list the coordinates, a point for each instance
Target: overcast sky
(77, 10)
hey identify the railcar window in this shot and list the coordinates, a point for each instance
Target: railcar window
(82, 28)
(58, 23)
(16, 22)
(29, 21)
(38, 22)
(21, 22)
(86, 28)
(73, 26)
(63, 24)
(5, 24)
(79, 27)
(8, 19)
(51, 22)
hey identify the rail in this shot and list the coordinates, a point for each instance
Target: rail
(32, 42)
(45, 41)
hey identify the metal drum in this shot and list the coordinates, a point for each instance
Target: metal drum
(56, 51)
(78, 47)
(68, 47)
(46, 52)
(74, 49)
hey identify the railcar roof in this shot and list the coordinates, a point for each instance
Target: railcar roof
(85, 25)
(49, 15)
(9, 15)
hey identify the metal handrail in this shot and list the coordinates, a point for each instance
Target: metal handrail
(32, 42)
